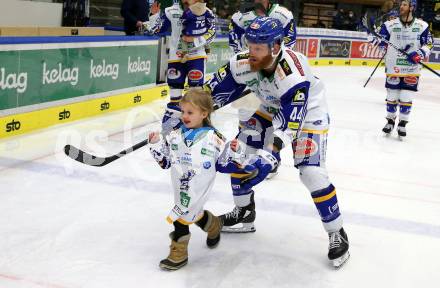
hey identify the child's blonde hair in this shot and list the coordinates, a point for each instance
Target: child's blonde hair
(202, 100)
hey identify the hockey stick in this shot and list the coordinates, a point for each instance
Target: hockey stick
(370, 30)
(92, 160)
(371, 75)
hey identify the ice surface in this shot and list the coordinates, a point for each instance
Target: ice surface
(67, 225)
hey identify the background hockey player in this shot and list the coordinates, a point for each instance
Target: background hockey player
(292, 102)
(195, 22)
(240, 21)
(182, 65)
(194, 152)
(403, 72)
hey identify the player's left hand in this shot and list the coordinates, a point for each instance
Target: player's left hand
(415, 57)
(258, 169)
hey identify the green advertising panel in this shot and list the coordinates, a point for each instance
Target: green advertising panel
(37, 76)
(220, 55)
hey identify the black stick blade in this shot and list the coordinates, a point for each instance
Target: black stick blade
(84, 157)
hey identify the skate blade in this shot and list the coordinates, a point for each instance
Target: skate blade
(271, 175)
(244, 228)
(339, 262)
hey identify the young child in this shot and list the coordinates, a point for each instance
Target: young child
(195, 22)
(194, 152)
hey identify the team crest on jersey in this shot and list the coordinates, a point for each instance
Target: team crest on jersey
(286, 67)
(300, 96)
(173, 73)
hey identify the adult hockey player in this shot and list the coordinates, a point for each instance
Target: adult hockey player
(182, 64)
(403, 72)
(292, 103)
(240, 21)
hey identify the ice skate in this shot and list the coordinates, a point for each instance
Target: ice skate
(401, 129)
(240, 219)
(178, 256)
(388, 127)
(338, 248)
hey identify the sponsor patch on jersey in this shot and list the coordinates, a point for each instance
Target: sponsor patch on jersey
(207, 165)
(393, 80)
(251, 122)
(286, 67)
(403, 62)
(174, 147)
(410, 80)
(242, 56)
(305, 147)
(207, 152)
(173, 73)
(397, 29)
(296, 62)
(415, 29)
(195, 75)
(255, 26)
(184, 199)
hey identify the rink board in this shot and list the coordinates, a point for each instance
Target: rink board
(26, 122)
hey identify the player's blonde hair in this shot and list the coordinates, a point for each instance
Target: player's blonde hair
(202, 100)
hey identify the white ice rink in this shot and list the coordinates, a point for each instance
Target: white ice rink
(67, 225)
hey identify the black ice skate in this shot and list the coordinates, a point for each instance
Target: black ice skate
(389, 126)
(401, 129)
(240, 220)
(338, 248)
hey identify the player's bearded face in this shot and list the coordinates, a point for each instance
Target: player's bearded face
(260, 56)
(404, 8)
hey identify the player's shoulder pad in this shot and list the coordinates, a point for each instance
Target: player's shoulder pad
(291, 65)
(419, 22)
(236, 17)
(284, 14)
(174, 11)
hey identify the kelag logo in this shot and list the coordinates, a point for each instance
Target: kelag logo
(65, 114)
(105, 106)
(13, 126)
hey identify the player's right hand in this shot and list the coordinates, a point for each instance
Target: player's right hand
(153, 137)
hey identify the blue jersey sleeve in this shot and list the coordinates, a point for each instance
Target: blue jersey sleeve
(235, 35)
(223, 87)
(293, 108)
(161, 25)
(290, 34)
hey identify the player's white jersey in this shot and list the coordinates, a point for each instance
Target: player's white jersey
(171, 18)
(193, 169)
(412, 37)
(240, 21)
(292, 81)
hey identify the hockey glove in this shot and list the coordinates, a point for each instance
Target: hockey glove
(259, 168)
(171, 119)
(416, 56)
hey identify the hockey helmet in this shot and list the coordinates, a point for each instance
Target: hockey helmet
(265, 30)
